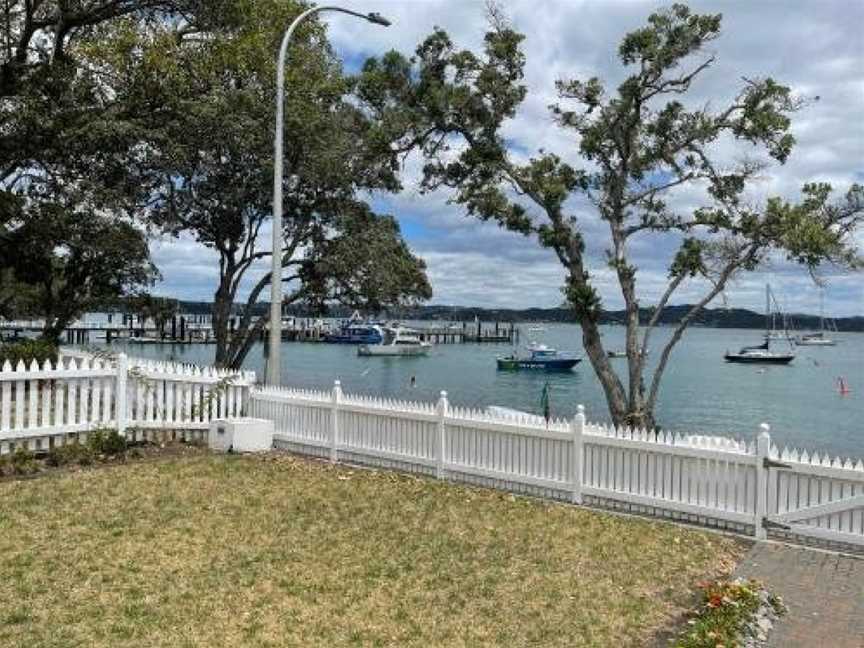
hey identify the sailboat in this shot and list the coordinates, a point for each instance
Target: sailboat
(818, 338)
(761, 353)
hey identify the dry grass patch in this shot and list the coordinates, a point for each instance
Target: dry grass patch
(278, 551)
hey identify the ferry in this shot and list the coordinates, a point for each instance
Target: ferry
(539, 356)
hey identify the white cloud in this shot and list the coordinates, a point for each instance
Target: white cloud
(816, 48)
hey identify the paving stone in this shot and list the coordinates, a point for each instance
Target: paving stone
(824, 593)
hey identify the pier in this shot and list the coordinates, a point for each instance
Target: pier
(196, 329)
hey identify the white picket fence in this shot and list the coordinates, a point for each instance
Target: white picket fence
(746, 487)
(49, 405)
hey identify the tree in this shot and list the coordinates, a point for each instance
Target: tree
(75, 262)
(67, 137)
(208, 168)
(639, 143)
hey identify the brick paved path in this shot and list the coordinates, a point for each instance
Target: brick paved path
(824, 593)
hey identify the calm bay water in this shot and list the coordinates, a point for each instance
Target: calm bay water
(700, 391)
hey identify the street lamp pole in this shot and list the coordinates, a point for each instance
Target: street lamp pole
(274, 365)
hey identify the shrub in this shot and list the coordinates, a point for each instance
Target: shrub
(23, 462)
(106, 442)
(27, 351)
(73, 453)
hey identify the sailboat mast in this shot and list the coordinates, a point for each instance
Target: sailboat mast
(767, 310)
(821, 310)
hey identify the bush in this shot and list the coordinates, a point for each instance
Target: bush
(23, 462)
(28, 351)
(73, 453)
(106, 442)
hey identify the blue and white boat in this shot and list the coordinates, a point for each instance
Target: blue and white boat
(356, 331)
(539, 356)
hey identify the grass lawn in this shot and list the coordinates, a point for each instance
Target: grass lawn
(211, 550)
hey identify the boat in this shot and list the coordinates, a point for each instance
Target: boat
(396, 341)
(537, 329)
(539, 356)
(761, 353)
(818, 338)
(355, 331)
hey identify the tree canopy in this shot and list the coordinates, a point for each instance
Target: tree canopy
(637, 143)
(161, 112)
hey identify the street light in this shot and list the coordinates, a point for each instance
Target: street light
(274, 365)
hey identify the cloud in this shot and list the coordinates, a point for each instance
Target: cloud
(816, 48)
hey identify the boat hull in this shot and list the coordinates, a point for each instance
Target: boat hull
(552, 364)
(753, 359)
(815, 343)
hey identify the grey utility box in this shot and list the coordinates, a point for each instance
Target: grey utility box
(241, 435)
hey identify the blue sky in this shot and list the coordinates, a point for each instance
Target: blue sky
(816, 48)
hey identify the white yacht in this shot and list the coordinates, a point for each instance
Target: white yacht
(397, 341)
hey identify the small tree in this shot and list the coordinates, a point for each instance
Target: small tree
(639, 143)
(74, 262)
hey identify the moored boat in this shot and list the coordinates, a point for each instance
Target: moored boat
(761, 353)
(818, 338)
(355, 331)
(396, 341)
(539, 356)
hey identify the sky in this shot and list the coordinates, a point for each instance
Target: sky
(817, 48)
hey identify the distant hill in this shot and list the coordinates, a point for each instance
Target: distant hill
(711, 317)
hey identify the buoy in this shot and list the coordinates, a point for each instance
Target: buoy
(842, 387)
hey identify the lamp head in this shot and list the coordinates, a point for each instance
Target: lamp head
(378, 19)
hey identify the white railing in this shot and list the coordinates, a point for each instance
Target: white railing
(42, 406)
(747, 487)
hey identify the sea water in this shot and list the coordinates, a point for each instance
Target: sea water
(700, 392)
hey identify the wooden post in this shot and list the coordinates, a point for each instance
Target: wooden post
(334, 428)
(120, 395)
(577, 428)
(763, 448)
(440, 447)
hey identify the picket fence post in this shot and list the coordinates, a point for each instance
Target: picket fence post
(442, 408)
(120, 395)
(763, 448)
(577, 428)
(334, 428)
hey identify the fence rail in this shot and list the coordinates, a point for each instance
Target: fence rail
(43, 406)
(746, 487)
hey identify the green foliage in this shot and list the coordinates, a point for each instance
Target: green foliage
(27, 351)
(75, 260)
(106, 442)
(639, 141)
(23, 462)
(70, 454)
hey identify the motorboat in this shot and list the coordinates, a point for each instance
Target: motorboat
(355, 331)
(396, 341)
(539, 356)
